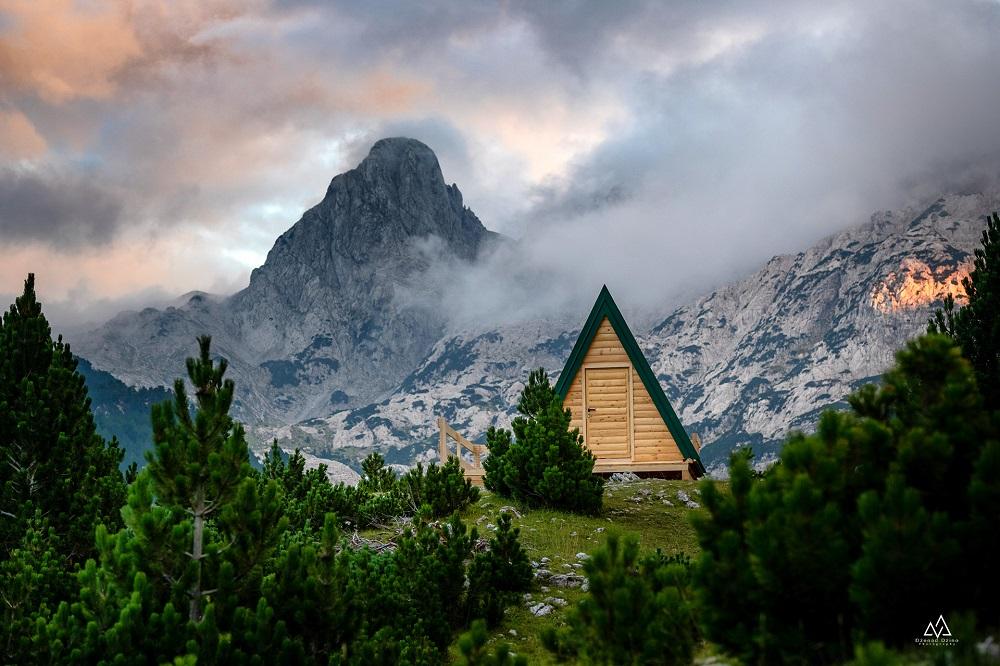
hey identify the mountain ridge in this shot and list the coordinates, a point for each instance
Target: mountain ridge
(742, 365)
(324, 322)
(339, 345)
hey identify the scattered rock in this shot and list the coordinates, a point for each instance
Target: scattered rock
(543, 574)
(491, 526)
(582, 556)
(510, 509)
(567, 580)
(513, 632)
(534, 564)
(586, 586)
(988, 647)
(686, 500)
(541, 610)
(599, 530)
(544, 561)
(668, 502)
(527, 596)
(619, 478)
(556, 601)
(713, 660)
(572, 533)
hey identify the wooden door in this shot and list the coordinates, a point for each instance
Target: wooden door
(606, 405)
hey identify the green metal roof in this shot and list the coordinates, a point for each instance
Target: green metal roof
(606, 307)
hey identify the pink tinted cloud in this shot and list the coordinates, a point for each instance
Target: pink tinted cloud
(19, 139)
(60, 50)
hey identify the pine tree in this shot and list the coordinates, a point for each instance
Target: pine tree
(200, 468)
(443, 489)
(919, 526)
(546, 463)
(312, 590)
(409, 602)
(803, 537)
(982, 533)
(498, 576)
(638, 610)
(903, 542)
(184, 577)
(976, 325)
(376, 500)
(375, 476)
(32, 583)
(727, 589)
(829, 544)
(53, 460)
(498, 441)
(304, 494)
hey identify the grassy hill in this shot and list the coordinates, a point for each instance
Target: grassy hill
(649, 509)
(639, 508)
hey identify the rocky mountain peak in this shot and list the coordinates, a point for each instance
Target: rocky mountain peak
(401, 157)
(375, 224)
(396, 195)
(343, 307)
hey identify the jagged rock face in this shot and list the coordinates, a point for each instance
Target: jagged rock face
(472, 379)
(341, 310)
(767, 354)
(741, 366)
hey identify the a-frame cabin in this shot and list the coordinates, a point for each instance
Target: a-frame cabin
(618, 404)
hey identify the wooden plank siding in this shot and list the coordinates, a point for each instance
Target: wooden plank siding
(608, 419)
(625, 425)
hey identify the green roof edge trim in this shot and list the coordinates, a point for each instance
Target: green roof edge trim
(605, 306)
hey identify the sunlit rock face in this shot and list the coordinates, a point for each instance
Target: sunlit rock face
(917, 285)
(767, 354)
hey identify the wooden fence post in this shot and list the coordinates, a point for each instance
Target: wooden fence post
(443, 440)
(473, 471)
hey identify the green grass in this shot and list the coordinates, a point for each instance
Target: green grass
(635, 508)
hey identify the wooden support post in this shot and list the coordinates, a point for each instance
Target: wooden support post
(474, 470)
(443, 440)
(696, 440)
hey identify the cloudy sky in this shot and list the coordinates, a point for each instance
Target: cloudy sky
(148, 148)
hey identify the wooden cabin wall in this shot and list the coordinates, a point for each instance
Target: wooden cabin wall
(651, 439)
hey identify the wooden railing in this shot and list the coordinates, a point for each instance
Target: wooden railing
(473, 470)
